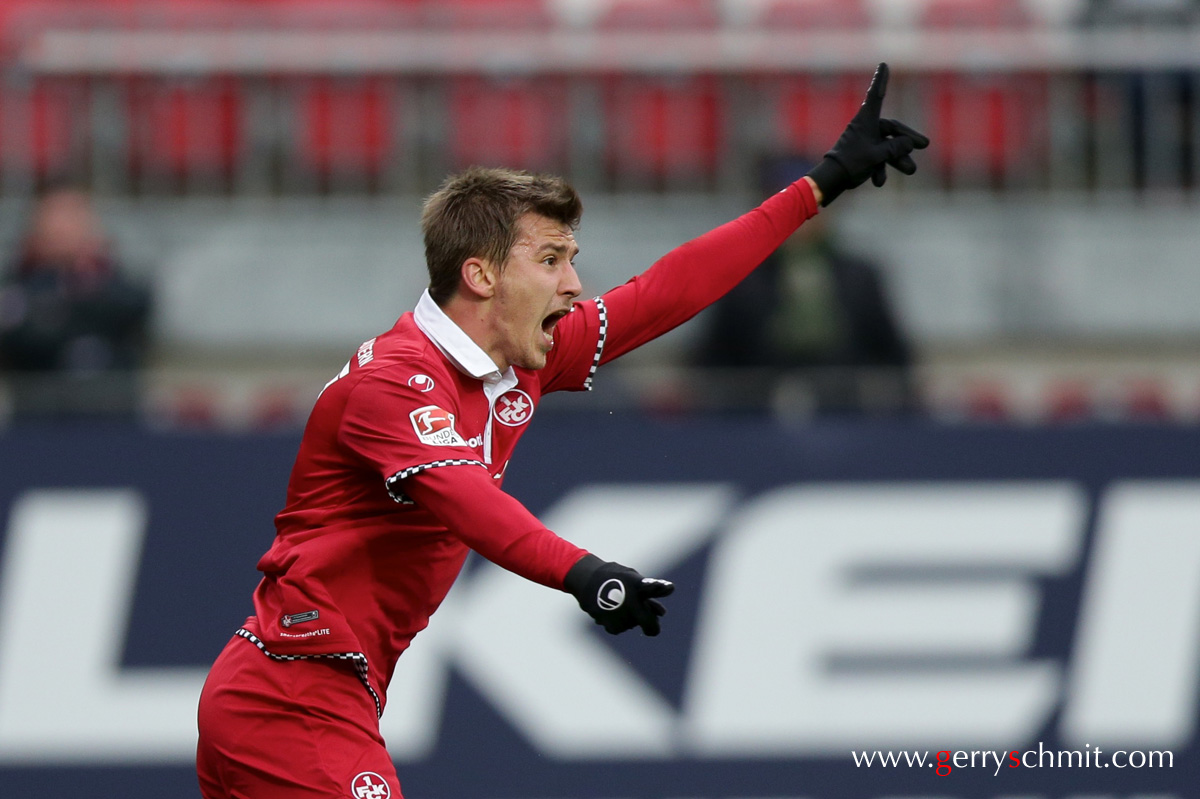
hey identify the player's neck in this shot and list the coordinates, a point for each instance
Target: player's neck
(474, 317)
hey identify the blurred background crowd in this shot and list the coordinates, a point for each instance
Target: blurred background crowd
(205, 205)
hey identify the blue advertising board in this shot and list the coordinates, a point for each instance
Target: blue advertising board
(863, 610)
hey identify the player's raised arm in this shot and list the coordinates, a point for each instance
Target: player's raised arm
(693, 276)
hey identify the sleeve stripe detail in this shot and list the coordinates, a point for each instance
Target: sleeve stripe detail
(357, 658)
(603, 312)
(392, 482)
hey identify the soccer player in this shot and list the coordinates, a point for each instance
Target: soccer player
(400, 467)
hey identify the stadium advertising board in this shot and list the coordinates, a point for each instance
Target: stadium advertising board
(863, 610)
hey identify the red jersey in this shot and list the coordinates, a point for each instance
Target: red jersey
(400, 467)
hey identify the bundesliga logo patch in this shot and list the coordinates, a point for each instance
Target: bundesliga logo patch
(436, 427)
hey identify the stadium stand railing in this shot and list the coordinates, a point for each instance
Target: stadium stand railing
(295, 96)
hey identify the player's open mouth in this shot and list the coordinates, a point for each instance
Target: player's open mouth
(549, 323)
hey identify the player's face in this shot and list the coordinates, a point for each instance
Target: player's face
(536, 288)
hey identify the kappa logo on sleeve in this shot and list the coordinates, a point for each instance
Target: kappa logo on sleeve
(435, 426)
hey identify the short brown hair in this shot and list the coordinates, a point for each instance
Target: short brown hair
(474, 215)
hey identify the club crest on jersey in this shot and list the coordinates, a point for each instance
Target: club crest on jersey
(513, 408)
(422, 383)
(435, 426)
(369, 785)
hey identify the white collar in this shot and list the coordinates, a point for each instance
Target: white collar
(455, 344)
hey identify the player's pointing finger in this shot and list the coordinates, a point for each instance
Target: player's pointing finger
(877, 89)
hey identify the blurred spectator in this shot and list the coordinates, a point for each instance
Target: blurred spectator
(812, 330)
(72, 326)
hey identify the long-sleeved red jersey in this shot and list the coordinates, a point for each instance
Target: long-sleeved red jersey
(400, 468)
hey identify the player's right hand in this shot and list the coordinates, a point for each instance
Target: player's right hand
(867, 146)
(616, 596)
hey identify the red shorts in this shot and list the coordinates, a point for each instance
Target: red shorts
(289, 729)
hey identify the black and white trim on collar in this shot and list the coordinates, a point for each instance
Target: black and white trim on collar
(392, 483)
(357, 658)
(603, 312)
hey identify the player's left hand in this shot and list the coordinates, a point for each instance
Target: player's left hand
(867, 146)
(616, 596)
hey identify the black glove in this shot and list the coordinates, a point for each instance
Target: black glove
(616, 596)
(867, 145)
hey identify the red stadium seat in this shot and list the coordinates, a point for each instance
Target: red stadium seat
(982, 122)
(520, 123)
(987, 401)
(1070, 401)
(346, 127)
(815, 14)
(663, 131)
(185, 128)
(986, 126)
(277, 408)
(1146, 401)
(191, 406)
(489, 14)
(43, 130)
(985, 14)
(660, 15)
(343, 14)
(813, 110)
(55, 118)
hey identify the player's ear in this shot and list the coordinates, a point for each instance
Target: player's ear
(479, 278)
